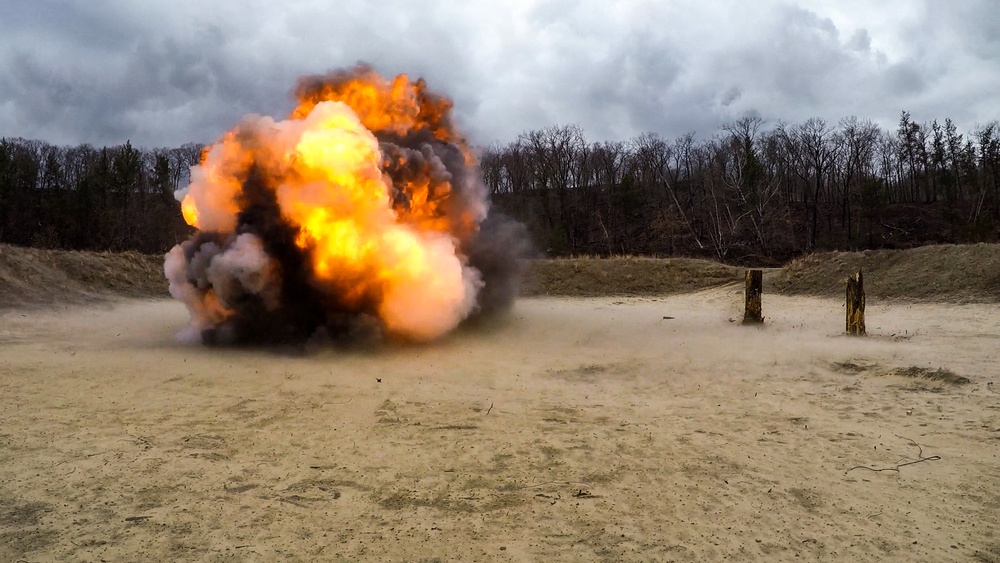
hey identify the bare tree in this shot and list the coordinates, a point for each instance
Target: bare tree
(811, 151)
(856, 146)
(553, 152)
(747, 177)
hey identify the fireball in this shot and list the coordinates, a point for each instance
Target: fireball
(365, 203)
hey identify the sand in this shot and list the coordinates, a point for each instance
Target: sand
(641, 429)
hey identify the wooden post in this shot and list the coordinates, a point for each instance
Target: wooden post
(856, 304)
(754, 288)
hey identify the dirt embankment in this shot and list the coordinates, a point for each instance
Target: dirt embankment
(942, 273)
(946, 273)
(949, 273)
(30, 276)
(624, 276)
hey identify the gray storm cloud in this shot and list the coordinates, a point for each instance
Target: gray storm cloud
(164, 74)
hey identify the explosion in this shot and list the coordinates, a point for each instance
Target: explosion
(365, 208)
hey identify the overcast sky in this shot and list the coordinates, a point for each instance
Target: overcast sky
(167, 72)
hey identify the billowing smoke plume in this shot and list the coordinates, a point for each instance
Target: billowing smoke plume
(364, 210)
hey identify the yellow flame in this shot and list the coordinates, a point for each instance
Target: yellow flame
(189, 210)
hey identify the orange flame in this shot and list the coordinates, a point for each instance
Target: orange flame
(399, 106)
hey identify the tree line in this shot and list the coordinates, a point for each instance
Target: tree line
(84, 198)
(749, 194)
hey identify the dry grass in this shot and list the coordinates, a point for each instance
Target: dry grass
(939, 375)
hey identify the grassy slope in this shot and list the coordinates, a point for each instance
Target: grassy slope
(942, 273)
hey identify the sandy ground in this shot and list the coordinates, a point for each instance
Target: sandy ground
(574, 430)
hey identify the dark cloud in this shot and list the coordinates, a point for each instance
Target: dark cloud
(165, 73)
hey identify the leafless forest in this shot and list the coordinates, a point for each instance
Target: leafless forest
(753, 192)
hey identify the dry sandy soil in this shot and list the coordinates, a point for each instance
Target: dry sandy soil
(615, 429)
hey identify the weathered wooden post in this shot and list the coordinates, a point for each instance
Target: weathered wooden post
(754, 288)
(856, 304)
